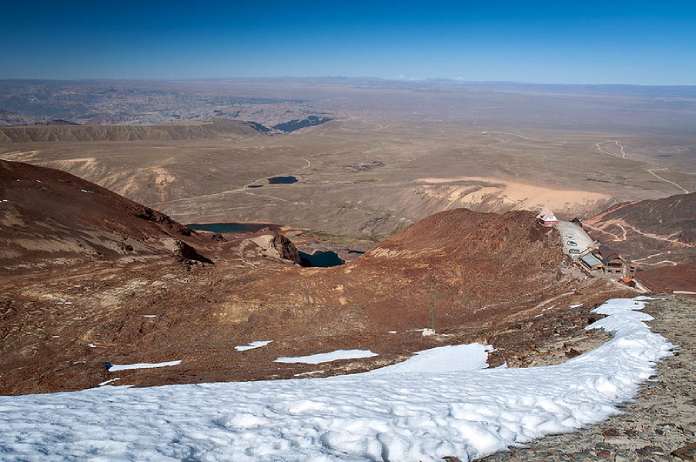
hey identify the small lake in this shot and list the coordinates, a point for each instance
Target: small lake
(321, 259)
(282, 180)
(230, 227)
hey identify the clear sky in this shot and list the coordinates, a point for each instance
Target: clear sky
(580, 41)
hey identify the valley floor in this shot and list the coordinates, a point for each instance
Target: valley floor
(659, 426)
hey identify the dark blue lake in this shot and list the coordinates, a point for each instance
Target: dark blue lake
(321, 259)
(282, 180)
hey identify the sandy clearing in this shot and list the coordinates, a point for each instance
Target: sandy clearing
(515, 195)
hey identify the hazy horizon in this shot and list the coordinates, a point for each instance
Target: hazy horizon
(353, 78)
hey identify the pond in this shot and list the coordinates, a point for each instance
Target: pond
(282, 180)
(322, 259)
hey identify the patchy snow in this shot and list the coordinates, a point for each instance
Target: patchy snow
(327, 357)
(125, 367)
(577, 305)
(409, 416)
(449, 358)
(253, 345)
(150, 316)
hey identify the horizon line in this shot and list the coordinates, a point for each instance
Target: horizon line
(340, 77)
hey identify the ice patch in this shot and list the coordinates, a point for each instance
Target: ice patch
(125, 367)
(410, 416)
(327, 357)
(253, 345)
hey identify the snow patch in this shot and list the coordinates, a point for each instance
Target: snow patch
(409, 416)
(449, 358)
(327, 357)
(126, 367)
(253, 345)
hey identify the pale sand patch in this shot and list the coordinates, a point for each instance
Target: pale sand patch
(509, 194)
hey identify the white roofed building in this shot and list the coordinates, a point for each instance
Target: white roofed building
(547, 218)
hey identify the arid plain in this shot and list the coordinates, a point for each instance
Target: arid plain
(394, 155)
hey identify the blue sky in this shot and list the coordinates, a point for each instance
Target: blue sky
(533, 41)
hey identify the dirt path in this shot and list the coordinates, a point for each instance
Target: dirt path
(659, 425)
(677, 185)
(623, 155)
(623, 225)
(622, 150)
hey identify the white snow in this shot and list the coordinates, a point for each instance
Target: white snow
(125, 367)
(409, 416)
(253, 345)
(449, 358)
(327, 357)
(577, 305)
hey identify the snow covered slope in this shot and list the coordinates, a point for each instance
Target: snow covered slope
(404, 416)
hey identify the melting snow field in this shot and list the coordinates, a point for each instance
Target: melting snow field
(407, 414)
(253, 345)
(326, 357)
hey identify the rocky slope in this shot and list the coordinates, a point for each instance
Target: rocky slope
(658, 235)
(49, 217)
(650, 230)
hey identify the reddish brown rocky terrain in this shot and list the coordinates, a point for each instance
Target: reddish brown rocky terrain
(659, 236)
(49, 217)
(74, 296)
(650, 231)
